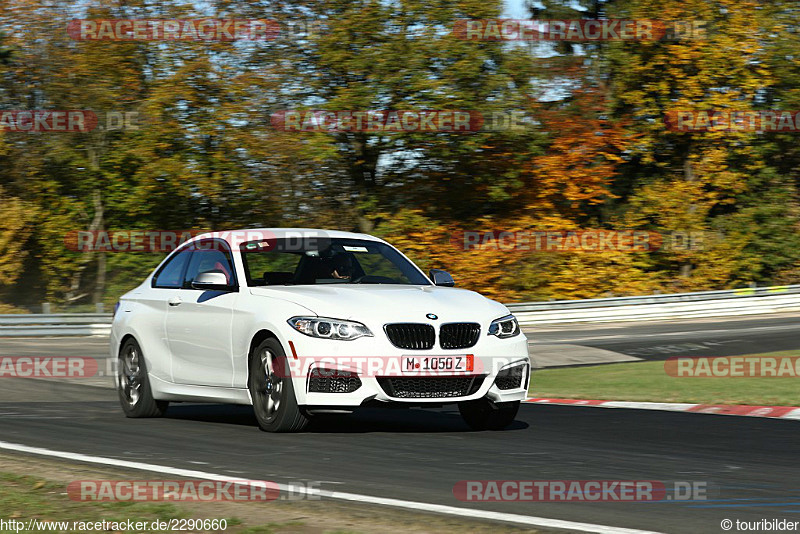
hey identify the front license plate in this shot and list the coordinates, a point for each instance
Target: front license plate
(438, 364)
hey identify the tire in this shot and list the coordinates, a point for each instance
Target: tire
(133, 384)
(271, 389)
(483, 414)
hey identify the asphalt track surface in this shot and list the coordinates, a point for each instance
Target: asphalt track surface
(748, 465)
(731, 336)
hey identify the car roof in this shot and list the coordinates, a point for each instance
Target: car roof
(250, 234)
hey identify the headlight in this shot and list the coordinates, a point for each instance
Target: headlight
(504, 327)
(326, 328)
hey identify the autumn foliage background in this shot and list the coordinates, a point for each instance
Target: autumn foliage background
(594, 152)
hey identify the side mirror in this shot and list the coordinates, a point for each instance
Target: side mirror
(211, 280)
(441, 278)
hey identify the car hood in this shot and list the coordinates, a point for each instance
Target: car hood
(388, 303)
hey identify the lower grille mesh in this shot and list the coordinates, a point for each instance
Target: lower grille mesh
(430, 387)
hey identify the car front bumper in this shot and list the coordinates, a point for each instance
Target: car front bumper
(380, 377)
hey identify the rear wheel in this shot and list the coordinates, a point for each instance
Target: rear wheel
(483, 414)
(133, 384)
(271, 389)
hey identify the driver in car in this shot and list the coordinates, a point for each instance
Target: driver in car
(342, 267)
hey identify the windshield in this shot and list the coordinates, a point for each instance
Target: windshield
(329, 261)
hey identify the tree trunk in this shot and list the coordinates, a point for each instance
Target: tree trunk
(685, 270)
(100, 281)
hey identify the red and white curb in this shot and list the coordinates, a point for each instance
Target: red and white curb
(778, 412)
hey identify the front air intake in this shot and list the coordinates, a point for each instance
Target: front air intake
(332, 381)
(510, 378)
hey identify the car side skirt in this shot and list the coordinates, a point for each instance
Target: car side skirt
(169, 391)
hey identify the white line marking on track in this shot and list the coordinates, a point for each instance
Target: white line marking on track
(353, 497)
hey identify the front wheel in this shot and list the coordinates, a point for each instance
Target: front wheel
(483, 414)
(133, 384)
(271, 389)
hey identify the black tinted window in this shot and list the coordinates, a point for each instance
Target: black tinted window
(171, 273)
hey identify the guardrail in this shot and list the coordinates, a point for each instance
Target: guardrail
(651, 307)
(55, 324)
(670, 306)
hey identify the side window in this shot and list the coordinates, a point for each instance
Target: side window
(210, 257)
(171, 273)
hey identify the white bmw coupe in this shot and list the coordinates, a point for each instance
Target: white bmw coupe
(300, 322)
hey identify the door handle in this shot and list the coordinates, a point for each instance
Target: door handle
(174, 301)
